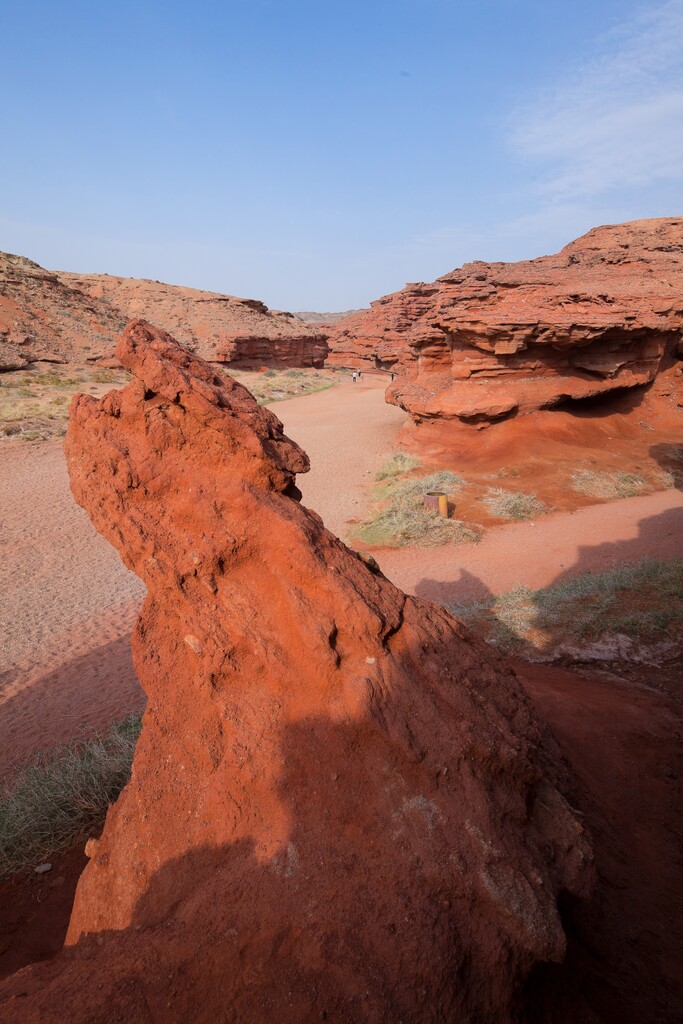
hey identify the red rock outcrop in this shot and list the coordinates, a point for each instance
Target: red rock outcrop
(43, 319)
(493, 339)
(342, 805)
(221, 328)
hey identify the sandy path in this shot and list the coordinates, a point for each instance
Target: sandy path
(540, 552)
(348, 432)
(67, 604)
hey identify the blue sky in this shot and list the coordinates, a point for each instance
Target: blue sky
(317, 155)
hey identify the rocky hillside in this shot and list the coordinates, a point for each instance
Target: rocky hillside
(490, 340)
(342, 805)
(222, 328)
(76, 319)
(42, 318)
(325, 319)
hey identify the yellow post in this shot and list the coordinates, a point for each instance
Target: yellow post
(443, 505)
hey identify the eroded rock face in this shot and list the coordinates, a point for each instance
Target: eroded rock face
(43, 319)
(493, 339)
(220, 328)
(342, 806)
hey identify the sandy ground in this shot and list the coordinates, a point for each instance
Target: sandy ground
(348, 433)
(540, 552)
(67, 604)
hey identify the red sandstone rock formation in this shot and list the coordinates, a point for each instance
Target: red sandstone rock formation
(76, 319)
(342, 806)
(42, 319)
(490, 340)
(221, 328)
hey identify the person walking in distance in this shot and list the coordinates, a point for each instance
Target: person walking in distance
(359, 374)
(354, 376)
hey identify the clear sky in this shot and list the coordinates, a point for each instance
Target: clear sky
(317, 155)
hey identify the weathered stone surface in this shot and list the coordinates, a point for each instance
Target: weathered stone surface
(42, 319)
(342, 805)
(490, 340)
(221, 328)
(77, 318)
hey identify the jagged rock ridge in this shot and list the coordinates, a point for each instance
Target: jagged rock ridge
(493, 339)
(342, 805)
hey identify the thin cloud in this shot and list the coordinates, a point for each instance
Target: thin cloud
(616, 122)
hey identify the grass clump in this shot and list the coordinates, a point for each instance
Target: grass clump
(513, 504)
(278, 385)
(401, 518)
(396, 466)
(63, 796)
(642, 600)
(611, 486)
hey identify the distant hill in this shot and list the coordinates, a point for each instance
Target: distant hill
(61, 317)
(321, 319)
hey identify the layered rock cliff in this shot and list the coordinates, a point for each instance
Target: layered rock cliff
(342, 805)
(221, 328)
(76, 319)
(490, 340)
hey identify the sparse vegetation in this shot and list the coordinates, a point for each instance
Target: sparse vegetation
(642, 600)
(63, 796)
(602, 484)
(34, 404)
(396, 466)
(278, 385)
(513, 504)
(401, 517)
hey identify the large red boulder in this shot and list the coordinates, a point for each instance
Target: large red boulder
(342, 806)
(490, 340)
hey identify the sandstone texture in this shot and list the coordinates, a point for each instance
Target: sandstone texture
(43, 319)
(221, 328)
(490, 340)
(76, 319)
(342, 806)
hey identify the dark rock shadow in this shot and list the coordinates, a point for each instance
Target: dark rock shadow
(80, 696)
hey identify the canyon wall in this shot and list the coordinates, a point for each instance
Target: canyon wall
(221, 328)
(75, 319)
(490, 340)
(342, 805)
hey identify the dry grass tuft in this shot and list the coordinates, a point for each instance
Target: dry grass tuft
(63, 796)
(401, 518)
(396, 466)
(642, 601)
(611, 486)
(513, 504)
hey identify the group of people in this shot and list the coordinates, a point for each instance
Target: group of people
(356, 375)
